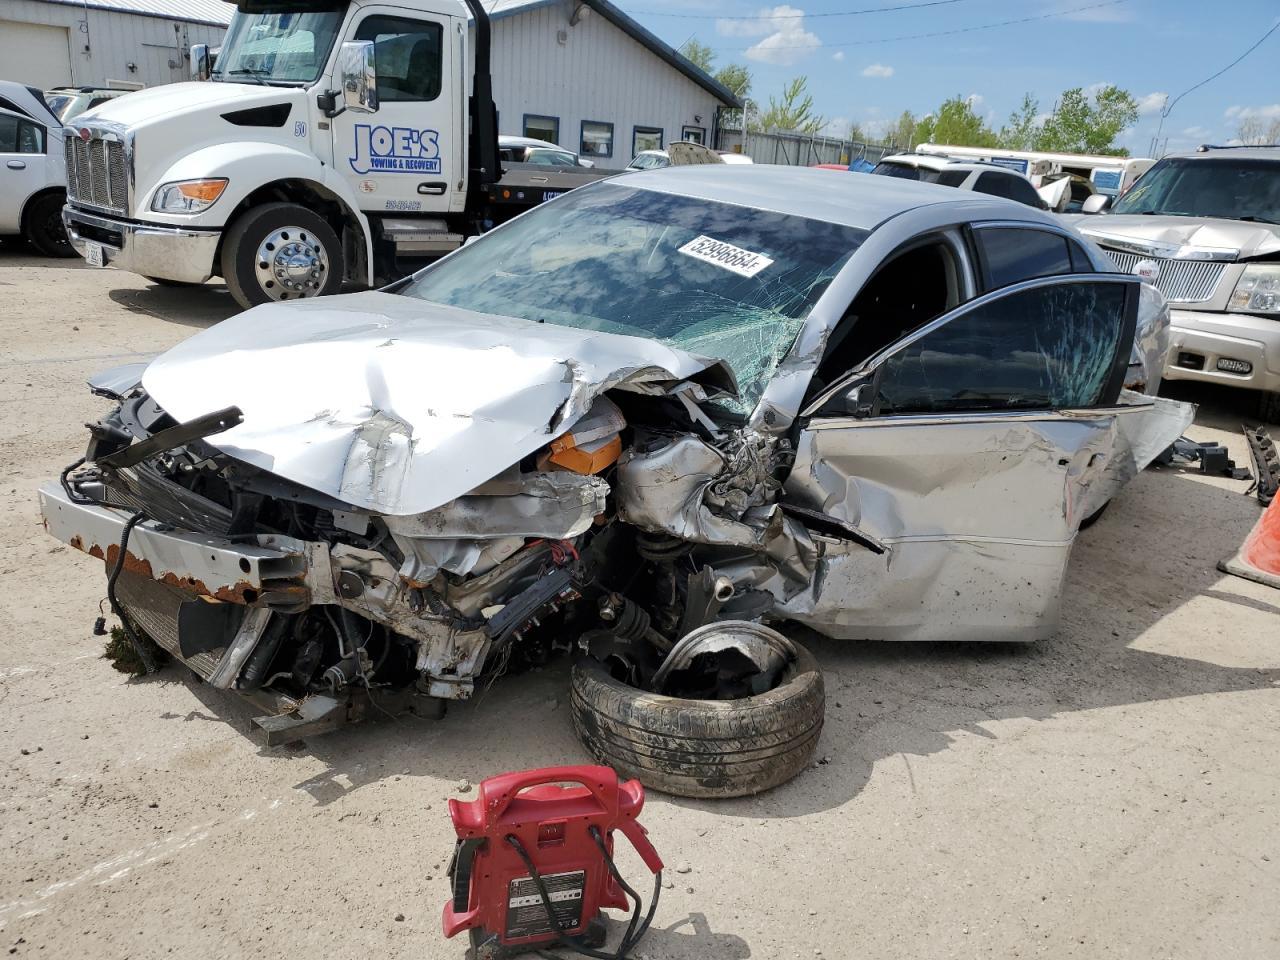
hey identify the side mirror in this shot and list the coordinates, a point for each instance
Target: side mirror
(858, 399)
(1098, 203)
(359, 76)
(201, 62)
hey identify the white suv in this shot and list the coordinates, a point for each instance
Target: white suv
(964, 175)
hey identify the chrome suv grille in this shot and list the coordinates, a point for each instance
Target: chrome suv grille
(97, 173)
(1181, 281)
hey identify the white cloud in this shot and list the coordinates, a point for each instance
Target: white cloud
(975, 100)
(1269, 112)
(1196, 133)
(838, 56)
(785, 42)
(877, 70)
(1093, 89)
(1152, 103)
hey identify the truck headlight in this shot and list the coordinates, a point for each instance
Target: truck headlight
(1258, 290)
(188, 196)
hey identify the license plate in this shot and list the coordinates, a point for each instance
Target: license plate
(93, 254)
(551, 194)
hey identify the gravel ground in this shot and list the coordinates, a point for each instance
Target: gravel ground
(1113, 792)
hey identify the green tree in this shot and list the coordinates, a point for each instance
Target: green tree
(1023, 129)
(699, 54)
(903, 131)
(1255, 131)
(857, 134)
(794, 112)
(736, 77)
(955, 123)
(1083, 124)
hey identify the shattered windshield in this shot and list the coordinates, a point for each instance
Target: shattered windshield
(713, 279)
(1226, 189)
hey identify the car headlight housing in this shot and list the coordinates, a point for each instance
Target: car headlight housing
(1258, 290)
(188, 196)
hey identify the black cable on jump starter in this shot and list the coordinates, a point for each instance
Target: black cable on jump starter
(144, 655)
(633, 934)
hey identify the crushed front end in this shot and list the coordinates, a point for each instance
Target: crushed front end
(643, 521)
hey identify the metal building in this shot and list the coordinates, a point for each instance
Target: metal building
(52, 43)
(583, 74)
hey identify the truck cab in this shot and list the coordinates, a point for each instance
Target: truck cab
(333, 141)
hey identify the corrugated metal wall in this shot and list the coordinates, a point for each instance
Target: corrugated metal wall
(598, 73)
(114, 41)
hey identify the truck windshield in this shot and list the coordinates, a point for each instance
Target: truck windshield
(277, 47)
(716, 280)
(1227, 189)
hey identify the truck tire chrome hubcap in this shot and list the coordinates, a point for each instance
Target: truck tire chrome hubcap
(291, 264)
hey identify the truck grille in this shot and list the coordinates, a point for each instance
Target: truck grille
(1181, 281)
(97, 173)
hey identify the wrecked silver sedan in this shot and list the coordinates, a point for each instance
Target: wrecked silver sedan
(653, 422)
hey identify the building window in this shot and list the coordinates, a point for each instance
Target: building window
(542, 128)
(408, 55)
(597, 139)
(646, 138)
(694, 134)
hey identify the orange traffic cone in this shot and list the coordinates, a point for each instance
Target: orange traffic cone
(1259, 556)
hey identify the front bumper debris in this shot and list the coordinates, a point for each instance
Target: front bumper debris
(207, 566)
(172, 253)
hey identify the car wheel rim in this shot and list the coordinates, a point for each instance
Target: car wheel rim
(291, 264)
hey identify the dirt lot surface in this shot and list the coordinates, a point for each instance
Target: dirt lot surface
(1114, 792)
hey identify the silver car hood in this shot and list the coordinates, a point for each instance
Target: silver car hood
(396, 405)
(1181, 236)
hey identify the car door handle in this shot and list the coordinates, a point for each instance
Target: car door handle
(433, 187)
(16, 165)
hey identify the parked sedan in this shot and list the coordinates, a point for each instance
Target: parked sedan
(540, 152)
(658, 421)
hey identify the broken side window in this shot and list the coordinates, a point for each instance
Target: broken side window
(1048, 348)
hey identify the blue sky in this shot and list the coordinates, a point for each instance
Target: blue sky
(1149, 47)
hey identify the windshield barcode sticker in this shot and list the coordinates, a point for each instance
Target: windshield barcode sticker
(742, 262)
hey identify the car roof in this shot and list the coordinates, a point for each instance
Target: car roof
(934, 162)
(507, 141)
(1210, 152)
(858, 200)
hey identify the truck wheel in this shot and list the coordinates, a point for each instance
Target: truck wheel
(280, 251)
(44, 227)
(701, 748)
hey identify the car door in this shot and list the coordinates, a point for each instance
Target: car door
(967, 448)
(404, 157)
(23, 146)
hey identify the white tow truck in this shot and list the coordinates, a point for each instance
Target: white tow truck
(339, 140)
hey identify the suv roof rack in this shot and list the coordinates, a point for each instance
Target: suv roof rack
(1206, 147)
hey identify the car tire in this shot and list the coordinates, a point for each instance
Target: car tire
(44, 229)
(1269, 406)
(290, 235)
(166, 282)
(701, 748)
